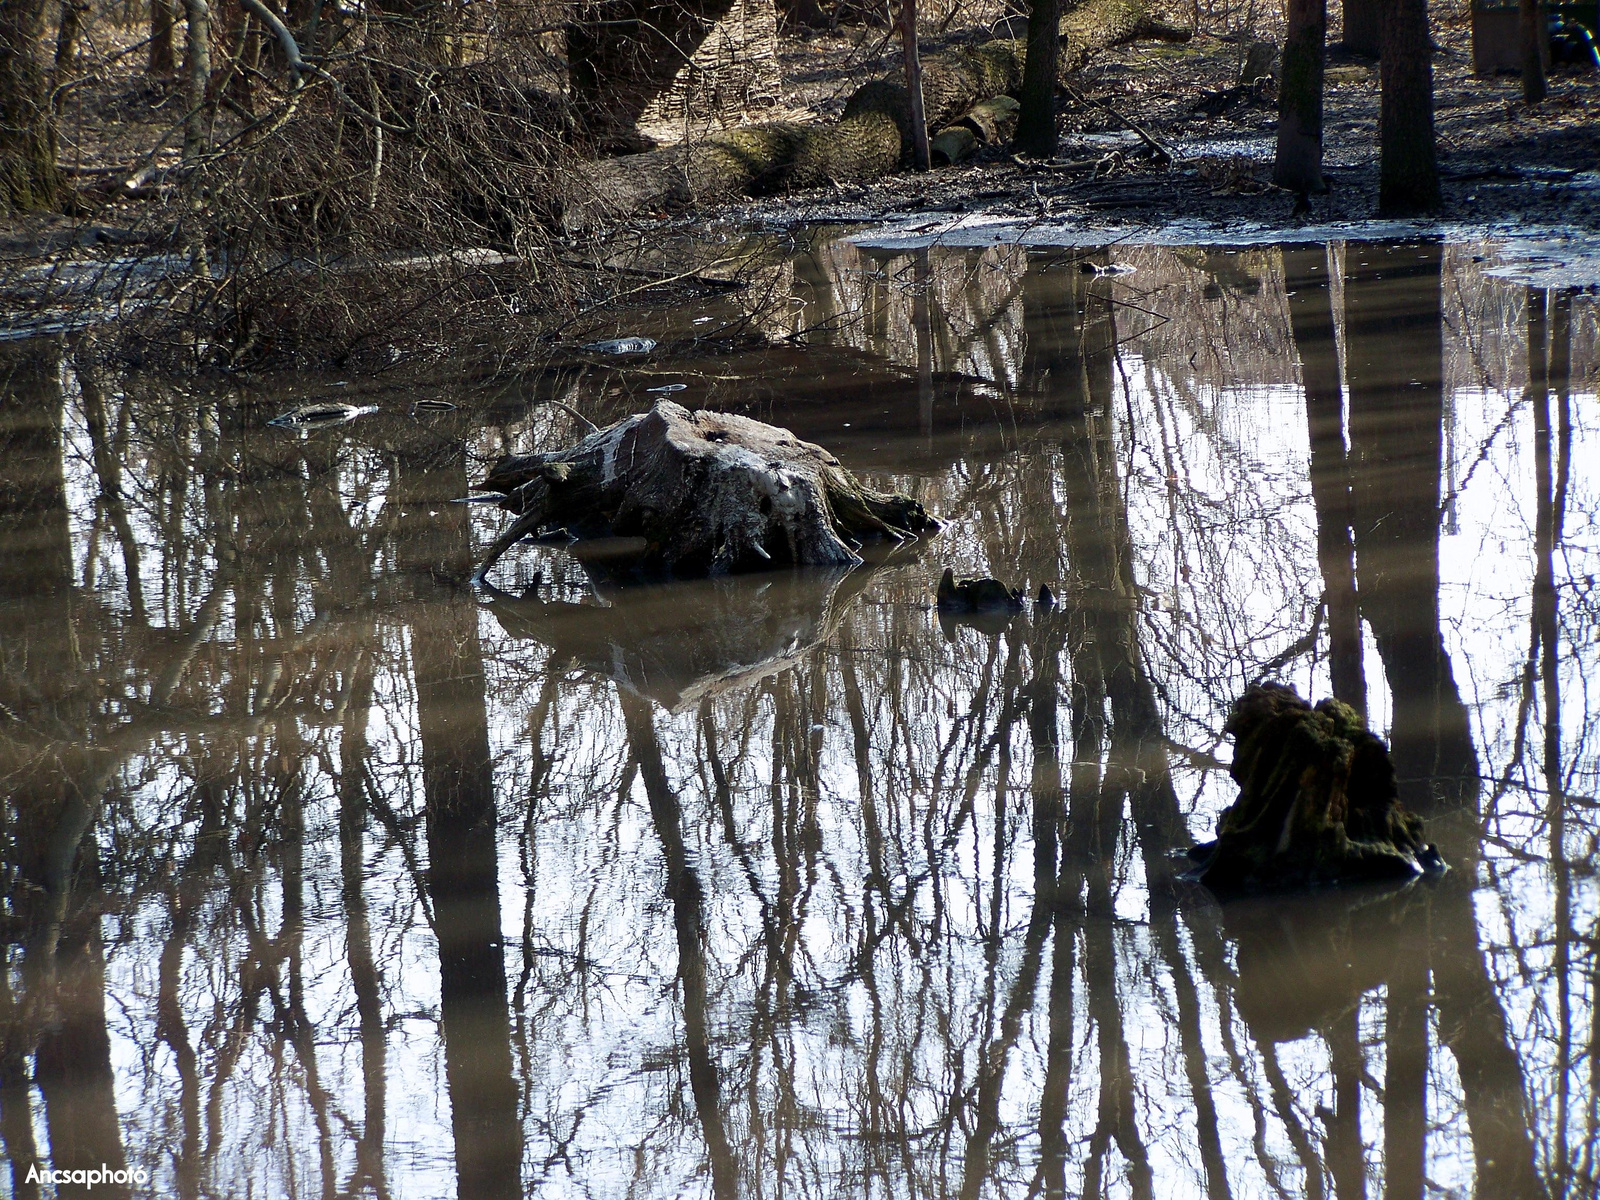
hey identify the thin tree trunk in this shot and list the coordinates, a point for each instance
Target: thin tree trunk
(163, 16)
(197, 71)
(1531, 26)
(1036, 122)
(1408, 162)
(1299, 159)
(29, 180)
(919, 118)
(67, 31)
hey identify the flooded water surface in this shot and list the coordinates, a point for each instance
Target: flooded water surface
(328, 873)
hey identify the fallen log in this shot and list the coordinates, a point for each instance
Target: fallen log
(1317, 801)
(870, 139)
(670, 492)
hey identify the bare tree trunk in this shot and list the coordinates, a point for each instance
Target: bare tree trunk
(29, 180)
(1299, 158)
(1036, 121)
(1363, 27)
(919, 118)
(67, 30)
(1531, 27)
(1408, 162)
(163, 16)
(197, 72)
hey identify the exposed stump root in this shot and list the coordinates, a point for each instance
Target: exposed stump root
(1317, 801)
(703, 493)
(869, 140)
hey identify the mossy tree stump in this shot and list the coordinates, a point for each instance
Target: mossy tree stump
(1317, 800)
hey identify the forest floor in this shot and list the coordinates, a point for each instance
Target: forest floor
(1502, 162)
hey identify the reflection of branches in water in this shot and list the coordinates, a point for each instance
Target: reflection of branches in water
(867, 984)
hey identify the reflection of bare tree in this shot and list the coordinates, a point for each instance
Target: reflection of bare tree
(1306, 280)
(1393, 324)
(458, 791)
(688, 918)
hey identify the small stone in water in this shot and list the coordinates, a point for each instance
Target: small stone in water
(316, 416)
(627, 345)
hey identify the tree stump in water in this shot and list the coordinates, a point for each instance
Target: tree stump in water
(1317, 800)
(703, 493)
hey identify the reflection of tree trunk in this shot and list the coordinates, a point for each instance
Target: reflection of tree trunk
(1395, 346)
(688, 913)
(1346, 1153)
(1547, 522)
(353, 768)
(1311, 320)
(73, 1063)
(1473, 1026)
(1405, 1078)
(16, 1108)
(458, 789)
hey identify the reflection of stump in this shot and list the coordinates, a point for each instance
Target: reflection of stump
(1317, 800)
(684, 642)
(702, 493)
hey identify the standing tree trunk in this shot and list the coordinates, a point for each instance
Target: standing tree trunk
(1532, 21)
(163, 16)
(67, 31)
(29, 179)
(1299, 159)
(1408, 163)
(920, 158)
(1036, 121)
(1363, 27)
(637, 60)
(197, 73)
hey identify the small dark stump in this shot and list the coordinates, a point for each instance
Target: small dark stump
(1317, 801)
(976, 595)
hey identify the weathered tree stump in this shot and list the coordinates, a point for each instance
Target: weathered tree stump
(703, 493)
(1317, 801)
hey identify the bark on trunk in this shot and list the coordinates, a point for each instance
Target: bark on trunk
(1299, 159)
(1531, 21)
(163, 16)
(918, 114)
(1036, 121)
(1363, 27)
(635, 60)
(675, 492)
(197, 72)
(871, 138)
(29, 180)
(1408, 165)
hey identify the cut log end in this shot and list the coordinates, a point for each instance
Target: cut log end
(704, 493)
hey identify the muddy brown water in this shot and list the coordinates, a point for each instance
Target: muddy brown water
(326, 874)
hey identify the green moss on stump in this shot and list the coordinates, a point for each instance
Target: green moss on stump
(1317, 800)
